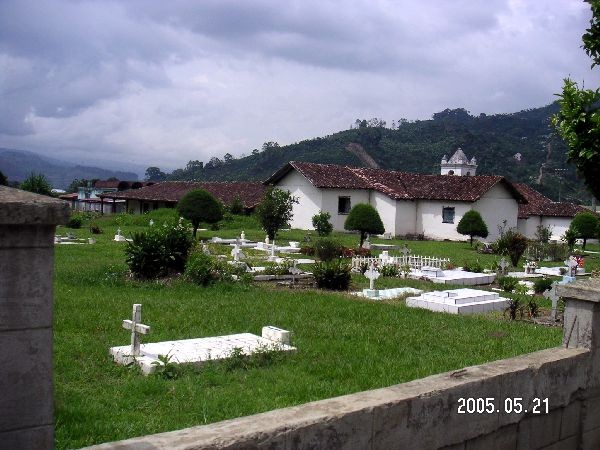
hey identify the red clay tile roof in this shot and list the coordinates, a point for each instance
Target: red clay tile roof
(250, 193)
(397, 185)
(539, 205)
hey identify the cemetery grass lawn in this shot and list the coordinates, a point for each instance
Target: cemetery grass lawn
(344, 345)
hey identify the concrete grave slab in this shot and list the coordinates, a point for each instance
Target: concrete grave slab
(459, 301)
(201, 350)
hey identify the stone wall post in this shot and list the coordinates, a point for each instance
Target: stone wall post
(27, 226)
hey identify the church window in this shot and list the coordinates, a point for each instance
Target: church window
(448, 215)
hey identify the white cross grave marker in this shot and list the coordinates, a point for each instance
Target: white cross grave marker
(136, 328)
(405, 251)
(503, 265)
(294, 271)
(237, 253)
(243, 236)
(551, 294)
(372, 274)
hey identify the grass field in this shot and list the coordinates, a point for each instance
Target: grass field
(344, 344)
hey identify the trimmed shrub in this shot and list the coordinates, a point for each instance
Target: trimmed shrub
(322, 224)
(327, 249)
(541, 285)
(472, 224)
(333, 275)
(585, 224)
(75, 221)
(200, 206)
(365, 219)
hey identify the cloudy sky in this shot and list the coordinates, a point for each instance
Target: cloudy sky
(163, 82)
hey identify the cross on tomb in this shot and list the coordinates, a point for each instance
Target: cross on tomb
(237, 253)
(503, 265)
(372, 274)
(551, 294)
(294, 271)
(405, 251)
(136, 328)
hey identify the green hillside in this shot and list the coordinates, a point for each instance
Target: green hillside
(419, 146)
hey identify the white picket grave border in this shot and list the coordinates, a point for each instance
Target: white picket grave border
(414, 261)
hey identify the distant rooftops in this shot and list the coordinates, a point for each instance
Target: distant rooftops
(250, 193)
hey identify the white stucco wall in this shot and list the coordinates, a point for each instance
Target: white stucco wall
(527, 227)
(309, 198)
(406, 217)
(386, 207)
(496, 206)
(429, 219)
(330, 203)
(558, 226)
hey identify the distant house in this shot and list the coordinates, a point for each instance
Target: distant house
(413, 204)
(88, 198)
(167, 194)
(540, 210)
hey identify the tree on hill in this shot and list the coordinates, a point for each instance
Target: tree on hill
(3, 179)
(275, 210)
(155, 174)
(364, 218)
(585, 225)
(472, 225)
(578, 121)
(200, 206)
(37, 183)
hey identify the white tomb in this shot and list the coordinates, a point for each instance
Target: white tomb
(384, 294)
(193, 351)
(459, 301)
(455, 276)
(119, 237)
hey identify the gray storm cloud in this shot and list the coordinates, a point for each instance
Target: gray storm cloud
(159, 83)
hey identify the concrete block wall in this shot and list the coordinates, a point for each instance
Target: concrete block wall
(27, 224)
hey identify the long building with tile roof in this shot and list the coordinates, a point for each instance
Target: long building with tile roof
(416, 204)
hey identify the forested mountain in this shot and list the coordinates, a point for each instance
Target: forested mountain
(521, 146)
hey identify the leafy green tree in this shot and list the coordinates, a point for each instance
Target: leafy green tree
(200, 206)
(275, 210)
(76, 184)
(321, 223)
(3, 179)
(472, 225)
(155, 174)
(585, 225)
(38, 183)
(578, 121)
(364, 218)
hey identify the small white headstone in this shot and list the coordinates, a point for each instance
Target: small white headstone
(503, 265)
(551, 294)
(294, 271)
(151, 222)
(405, 251)
(267, 240)
(243, 236)
(276, 334)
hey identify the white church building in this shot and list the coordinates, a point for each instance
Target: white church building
(413, 204)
